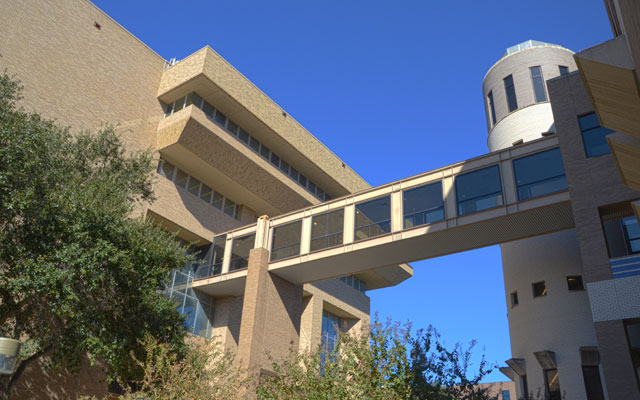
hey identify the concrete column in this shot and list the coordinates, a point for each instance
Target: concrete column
(311, 323)
(270, 327)
(226, 324)
(616, 361)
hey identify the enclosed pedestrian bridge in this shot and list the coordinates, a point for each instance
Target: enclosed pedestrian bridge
(496, 198)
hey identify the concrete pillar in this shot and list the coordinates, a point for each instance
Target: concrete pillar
(616, 361)
(271, 310)
(226, 324)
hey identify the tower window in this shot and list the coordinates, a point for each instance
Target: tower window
(575, 283)
(539, 289)
(510, 90)
(563, 70)
(538, 84)
(514, 299)
(492, 108)
(552, 384)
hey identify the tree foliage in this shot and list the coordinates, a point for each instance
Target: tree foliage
(78, 274)
(388, 363)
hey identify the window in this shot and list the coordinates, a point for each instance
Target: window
(240, 249)
(492, 108)
(524, 386)
(354, 282)
(181, 178)
(514, 299)
(166, 169)
(254, 144)
(539, 174)
(539, 289)
(330, 330)
(229, 208)
(538, 84)
(232, 127)
(552, 384)
(423, 205)
(205, 193)
(594, 135)
(592, 382)
(326, 230)
(264, 151)
(218, 199)
(221, 119)
(284, 166)
(510, 90)
(194, 186)
(219, 243)
(275, 159)
(633, 336)
(631, 234)
(563, 70)
(373, 218)
(286, 241)
(478, 190)
(243, 136)
(574, 283)
(506, 395)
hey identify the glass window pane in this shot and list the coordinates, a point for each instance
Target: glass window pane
(240, 252)
(229, 208)
(165, 169)
(563, 70)
(194, 99)
(478, 190)
(319, 193)
(181, 178)
(275, 159)
(189, 312)
(284, 166)
(220, 118)
(326, 230)
(286, 241)
(588, 121)
(243, 136)
(302, 180)
(423, 205)
(553, 384)
(254, 143)
(208, 109)
(594, 135)
(179, 104)
(311, 186)
(168, 109)
(293, 173)
(232, 127)
(592, 382)
(205, 193)
(539, 289)
(264, 151)
(217, 258)
(538, 84)
(539, 174)
(492, 108)
(194, 186)
(373, 218)
(510, 90)
(218, 199)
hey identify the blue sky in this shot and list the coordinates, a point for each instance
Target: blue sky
(394, 89)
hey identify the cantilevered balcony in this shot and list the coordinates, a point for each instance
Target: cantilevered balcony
(502, 196)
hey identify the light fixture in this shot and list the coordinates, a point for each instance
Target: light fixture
(9, 350)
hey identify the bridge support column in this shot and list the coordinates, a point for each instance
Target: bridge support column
(271, 311)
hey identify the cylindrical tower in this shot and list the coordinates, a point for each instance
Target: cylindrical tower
(548, 308)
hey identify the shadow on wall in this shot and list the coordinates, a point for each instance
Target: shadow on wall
(39, 382)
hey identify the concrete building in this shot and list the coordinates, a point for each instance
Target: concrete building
(291, 238)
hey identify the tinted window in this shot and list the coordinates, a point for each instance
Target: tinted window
(478, 190)
(326, 230)
(423, 205)
(492, 108)
(286, 241)
(243, 136)
(240, 252)
(538, 84)
(232, 127)
(510, 90)
(539, 174)
(594, 135)
(373, 218)
(254, 143)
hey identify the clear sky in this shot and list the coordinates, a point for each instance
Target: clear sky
(394, 89)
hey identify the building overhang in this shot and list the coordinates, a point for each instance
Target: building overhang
(611, 80)
(197, 145)
(626, 153)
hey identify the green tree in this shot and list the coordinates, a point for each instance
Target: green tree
(78, 274)
(389, 362)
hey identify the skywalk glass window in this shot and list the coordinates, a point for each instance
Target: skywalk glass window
(594, 136)
(240, 252)
(478, 190)
(423, 205)
(538, 84)
(539, 174)
(286, 241)
(492, 108)
(327, 229)
(373, 218)
(510, 91)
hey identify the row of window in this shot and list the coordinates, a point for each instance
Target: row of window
(355, 283)
(552, 391)
(536, 175)
(539, 289)
(539, 90)
(247, 139)
(197, 188)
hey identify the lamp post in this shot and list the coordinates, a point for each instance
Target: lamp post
(9, 350)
